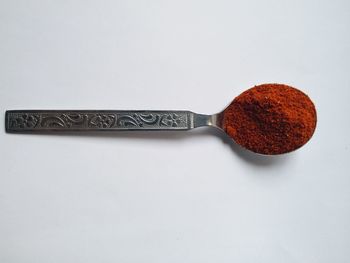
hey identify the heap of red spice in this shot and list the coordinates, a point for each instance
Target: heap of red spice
(270, 119)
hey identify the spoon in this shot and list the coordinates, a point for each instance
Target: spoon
(267, 119)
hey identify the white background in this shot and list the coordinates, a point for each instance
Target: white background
(174, 197)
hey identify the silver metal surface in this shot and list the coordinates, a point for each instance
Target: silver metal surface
(21, 121)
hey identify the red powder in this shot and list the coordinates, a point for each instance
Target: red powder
(270, 119)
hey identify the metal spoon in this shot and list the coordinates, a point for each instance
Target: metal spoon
(44, 121)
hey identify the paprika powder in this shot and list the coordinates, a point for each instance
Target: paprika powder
(270, 119)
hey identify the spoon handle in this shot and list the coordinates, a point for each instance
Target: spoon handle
(102, 120)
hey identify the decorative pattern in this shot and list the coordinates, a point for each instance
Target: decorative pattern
(41, 120)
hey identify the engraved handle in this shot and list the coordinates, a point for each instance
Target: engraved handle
(96, 120)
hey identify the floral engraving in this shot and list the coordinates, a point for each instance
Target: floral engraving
(74, 119)
(96, 120)
(171, 120)
(152, 119)
(129, 120)
(102, 121)
(149, 118)
(24, 121)
(53, 122)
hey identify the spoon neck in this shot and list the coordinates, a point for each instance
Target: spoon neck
(201, 120)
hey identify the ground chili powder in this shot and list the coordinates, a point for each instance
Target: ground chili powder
(270, 119)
